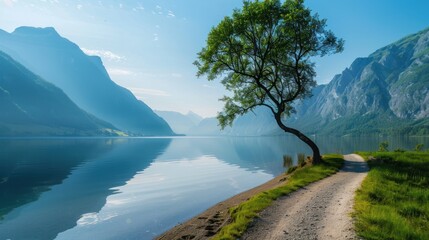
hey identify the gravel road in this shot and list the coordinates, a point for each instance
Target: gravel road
(319, 211)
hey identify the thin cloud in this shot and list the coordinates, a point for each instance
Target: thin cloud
(119, 72)
(170, 14)
(158, 9)
(108, 55)
(138, 8)
(79, 6)
(141, 92)
(155, 37)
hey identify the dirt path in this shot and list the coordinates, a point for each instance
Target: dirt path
(318, 211)
(208, 223)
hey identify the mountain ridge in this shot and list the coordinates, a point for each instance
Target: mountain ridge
(373, 94)
(33, 107)
(83, 78)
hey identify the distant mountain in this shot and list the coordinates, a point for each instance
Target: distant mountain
(257, 123)
(195, 118)
(31, 106)
(207, 127)
(83, 78)
(384, 93)
(179, 122)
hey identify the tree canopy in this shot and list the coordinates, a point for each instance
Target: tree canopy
(264, 54)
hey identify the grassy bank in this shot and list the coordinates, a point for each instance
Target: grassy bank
(393, 201)
(243, 214)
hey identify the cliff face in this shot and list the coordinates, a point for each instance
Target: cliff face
(388, 87)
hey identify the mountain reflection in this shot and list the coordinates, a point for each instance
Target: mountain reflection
(47, 185)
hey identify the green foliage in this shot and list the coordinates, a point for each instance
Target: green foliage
(383, 146)
(243, 214)
(263, 51)
(419, 147)
(301, 159)
(400, 150)
(287, 161)
(291, 169)
(392, 202)
(373, 123)
(415, 78)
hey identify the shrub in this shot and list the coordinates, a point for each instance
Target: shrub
(287, 161)
(301, 159)
(383, 146)
(419, 147)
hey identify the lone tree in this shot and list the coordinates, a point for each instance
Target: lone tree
(263, 52)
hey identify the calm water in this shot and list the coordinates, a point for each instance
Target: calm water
(136, 188)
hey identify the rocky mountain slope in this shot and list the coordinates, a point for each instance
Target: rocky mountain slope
(386, 92)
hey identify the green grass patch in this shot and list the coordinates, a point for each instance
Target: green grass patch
(393, 201)
(244, 213)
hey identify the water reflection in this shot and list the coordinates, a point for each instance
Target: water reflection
(138, 188)
(29, 168)
(83, 182)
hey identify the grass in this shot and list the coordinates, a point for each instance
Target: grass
(243, 214)
(393, 201)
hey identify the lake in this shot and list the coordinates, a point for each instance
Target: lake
(136, 188)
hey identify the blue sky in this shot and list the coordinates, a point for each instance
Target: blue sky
(148, 46)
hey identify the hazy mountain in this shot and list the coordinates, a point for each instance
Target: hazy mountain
(83, 78)
(257, 123)
(386, 92)
(195, 118)
(180, 123)
(207, 127)
(31, 106)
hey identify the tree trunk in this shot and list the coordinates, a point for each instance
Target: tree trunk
(316, 152)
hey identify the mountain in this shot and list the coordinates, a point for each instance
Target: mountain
(384, 93)
(207, 127)
(180, 123)
(195, 118)
(83, 78)
(31, 106)
(257, 123)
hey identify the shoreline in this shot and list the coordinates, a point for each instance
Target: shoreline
(210, 221)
